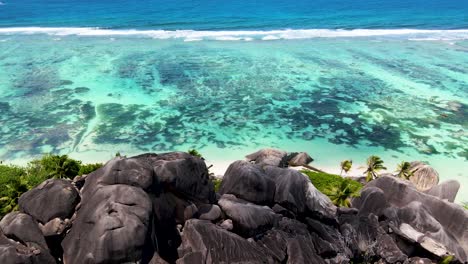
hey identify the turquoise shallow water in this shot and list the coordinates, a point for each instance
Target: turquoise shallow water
(337, 98)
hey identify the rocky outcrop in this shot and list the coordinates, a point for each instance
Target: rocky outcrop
(248, 219)
(162, 209)
(418, 217)
(204, 242)
(301, 158)
(249, 182)
(424, 176)
(446, 190)
(51, 199)
(269, 157)
(21, 241)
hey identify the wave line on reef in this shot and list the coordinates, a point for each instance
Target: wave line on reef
(245, 35)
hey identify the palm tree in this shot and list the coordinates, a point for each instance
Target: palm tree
(404, 171)
(342, 196)
(374, 164)
(346, 166)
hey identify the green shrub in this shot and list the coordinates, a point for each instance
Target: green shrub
(465, 205)
(337, 188)
(54, 166)
(14, 182)
(88, 168)
(216, 183)
(194, 152)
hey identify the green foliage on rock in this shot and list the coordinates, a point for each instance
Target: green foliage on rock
(88, 168)
(16, 180)
(195, 153)
(465, 205)
(339, 189)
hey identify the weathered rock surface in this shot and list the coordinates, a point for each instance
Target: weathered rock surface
(296, 193)
(426, 214)
(116, 227)
(209, 212)
(22, 228)
(269, 157)
(301, 158)
(14, 252)
(204, 242)
(248, 219)
(446, 190)
(162, 209)
(424, 176)
(249, 182)
(52, 198)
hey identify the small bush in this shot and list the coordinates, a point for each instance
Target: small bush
(216, 183)
(88, 168)
(334, 185)
(194, 152)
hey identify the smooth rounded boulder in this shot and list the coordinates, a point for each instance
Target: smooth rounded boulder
(249, 182)
(269, 157)
(51, 199)
(111, 227)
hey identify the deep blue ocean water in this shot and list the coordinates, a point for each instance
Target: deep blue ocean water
(236, 15)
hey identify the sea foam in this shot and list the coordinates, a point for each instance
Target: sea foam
(193, 35)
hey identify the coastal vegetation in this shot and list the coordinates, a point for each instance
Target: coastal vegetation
(340, 190)
(374, 165)
(16, 180)
(346, 166)
(404, 171)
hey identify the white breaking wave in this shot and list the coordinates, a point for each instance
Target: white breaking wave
(194, 35)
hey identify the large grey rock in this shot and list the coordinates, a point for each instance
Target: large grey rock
(446, 190)
(23, 228)
(14, 252)
(185, 175)
(424, 176)
(248, 219)
(269, 157)
(249, 182)
(52, 198)
(366, 238)
(111, 227)
(295, 192)
(426, 214)
(204, 242)
(371, 201)
(130, 208)
(301, 158)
